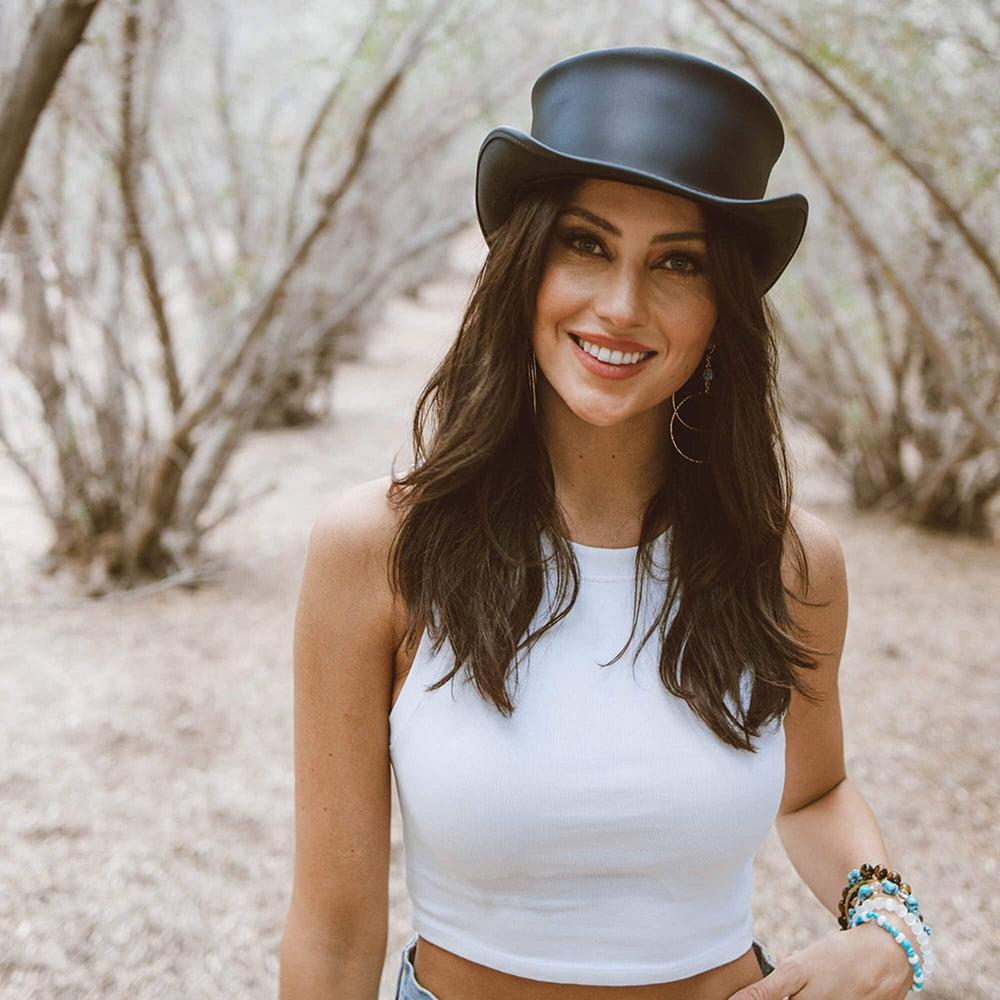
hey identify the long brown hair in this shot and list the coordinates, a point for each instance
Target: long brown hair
(467, 553)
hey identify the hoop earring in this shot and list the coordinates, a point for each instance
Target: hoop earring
(532, 379)
(707, 376)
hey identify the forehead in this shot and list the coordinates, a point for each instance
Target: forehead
(635, 203)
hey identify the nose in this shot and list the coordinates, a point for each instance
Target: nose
(619, 298)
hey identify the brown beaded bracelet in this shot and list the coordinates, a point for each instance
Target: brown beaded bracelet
(869, 873)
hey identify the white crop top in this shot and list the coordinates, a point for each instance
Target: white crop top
(602, 834)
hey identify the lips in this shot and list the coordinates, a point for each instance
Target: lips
(612, 343)
(605, 369)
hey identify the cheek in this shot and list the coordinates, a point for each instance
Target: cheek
(557, 294)
(554, 305)
(686, 307)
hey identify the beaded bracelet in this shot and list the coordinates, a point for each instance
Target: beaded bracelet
(886, 889)
(920, 931)
(872, 887)
(899, 937)
(871, 890)
(858, 880)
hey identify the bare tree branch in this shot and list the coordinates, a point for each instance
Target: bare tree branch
(161, 498)
(128, 162)
(183, 230)
(200, 215)
(218, 380)
(55, 33)
(27, 469)
(36, 358)
(863, 383)
(935, 347)
(230, 139)
(323, 112)
(109, 409)
(921, 173)
(345, 309)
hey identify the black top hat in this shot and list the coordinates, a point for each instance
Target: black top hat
(653, 117)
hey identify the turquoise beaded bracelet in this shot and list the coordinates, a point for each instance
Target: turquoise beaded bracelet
(900, 938)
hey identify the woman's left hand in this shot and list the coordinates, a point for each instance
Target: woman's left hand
(863, 963)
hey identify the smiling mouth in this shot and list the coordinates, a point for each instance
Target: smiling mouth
(622, 358)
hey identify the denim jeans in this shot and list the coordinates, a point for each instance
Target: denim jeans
(407, 987)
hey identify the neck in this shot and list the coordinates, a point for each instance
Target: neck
(605, 476)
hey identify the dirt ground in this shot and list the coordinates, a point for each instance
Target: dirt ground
(146, 743)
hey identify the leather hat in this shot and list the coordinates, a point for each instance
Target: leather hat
(658, 118)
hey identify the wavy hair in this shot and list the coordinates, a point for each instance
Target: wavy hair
(467, 554)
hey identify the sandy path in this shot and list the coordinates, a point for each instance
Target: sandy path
(146, 771)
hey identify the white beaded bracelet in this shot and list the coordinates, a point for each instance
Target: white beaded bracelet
(913, 925)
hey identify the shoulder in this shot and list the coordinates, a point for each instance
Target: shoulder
(357, 521)
(824, 558)
(348, 550)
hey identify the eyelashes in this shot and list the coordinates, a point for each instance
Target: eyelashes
(572, 238)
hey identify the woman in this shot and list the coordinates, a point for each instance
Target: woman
(605, 476)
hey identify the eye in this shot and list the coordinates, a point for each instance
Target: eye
(578, 239)
(689, 264)
(581, 240)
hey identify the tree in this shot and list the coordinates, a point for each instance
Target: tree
(898, 370)
(188, 266)
(57, 30)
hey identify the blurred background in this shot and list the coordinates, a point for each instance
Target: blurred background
(234, 239)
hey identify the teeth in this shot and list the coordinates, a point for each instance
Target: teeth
(609, 356)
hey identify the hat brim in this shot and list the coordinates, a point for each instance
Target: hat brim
(509, 159)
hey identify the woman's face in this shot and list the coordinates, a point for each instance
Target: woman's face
(625, 270)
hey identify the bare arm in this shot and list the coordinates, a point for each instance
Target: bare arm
(825, 824)
(335, 934)
(815, 773)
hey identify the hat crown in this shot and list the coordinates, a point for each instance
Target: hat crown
(661, 112)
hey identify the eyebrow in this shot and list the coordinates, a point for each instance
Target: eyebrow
(684, 234)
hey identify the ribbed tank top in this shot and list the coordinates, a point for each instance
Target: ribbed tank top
(602, 834)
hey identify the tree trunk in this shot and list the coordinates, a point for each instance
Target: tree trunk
(55, 33)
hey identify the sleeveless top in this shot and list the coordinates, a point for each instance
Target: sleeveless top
(601, 835)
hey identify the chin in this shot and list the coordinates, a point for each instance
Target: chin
(598, 416)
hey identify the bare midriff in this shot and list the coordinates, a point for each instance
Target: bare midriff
(450, 977)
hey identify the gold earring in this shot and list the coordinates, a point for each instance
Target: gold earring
(532, 379)
(707, 375)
